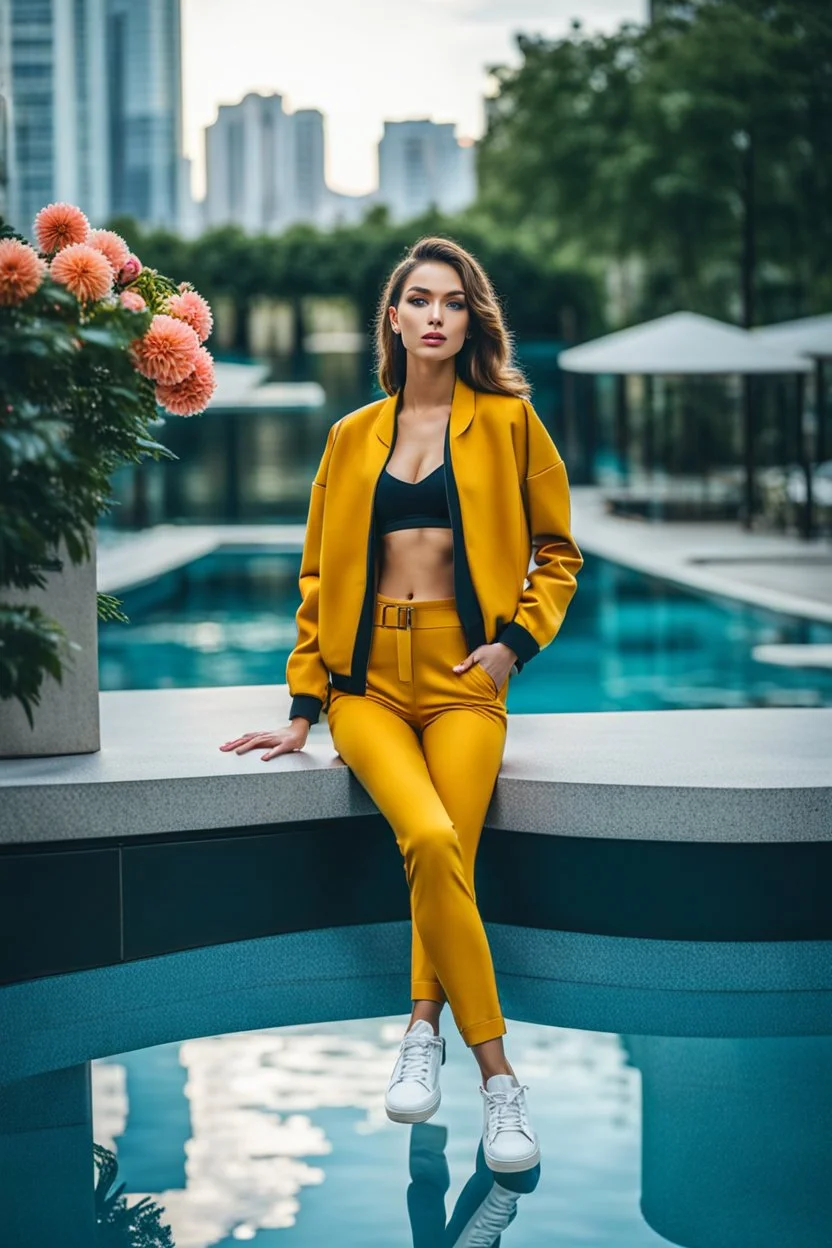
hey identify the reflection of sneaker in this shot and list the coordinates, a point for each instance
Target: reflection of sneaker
(413, 1093)
(491, 1218)
(509, 1141)
(487, 1205)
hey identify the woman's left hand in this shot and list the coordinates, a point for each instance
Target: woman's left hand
(497, 659)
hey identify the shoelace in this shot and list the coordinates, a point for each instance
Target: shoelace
(506, 1112)
(414, 1060)
(493, 1216)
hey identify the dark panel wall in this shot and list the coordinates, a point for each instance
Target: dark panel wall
(100, 902)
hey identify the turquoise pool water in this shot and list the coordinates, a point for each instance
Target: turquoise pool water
(279, 1137)
(629, 641)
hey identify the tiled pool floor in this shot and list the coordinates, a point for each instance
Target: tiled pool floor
(279, 1137)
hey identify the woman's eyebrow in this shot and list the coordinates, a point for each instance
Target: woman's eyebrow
(424, 290)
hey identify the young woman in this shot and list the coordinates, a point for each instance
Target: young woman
(417, 605)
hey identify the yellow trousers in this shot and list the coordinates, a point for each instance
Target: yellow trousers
(427, 743)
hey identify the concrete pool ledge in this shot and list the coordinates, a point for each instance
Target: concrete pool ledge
(637, 871)
(726, 776)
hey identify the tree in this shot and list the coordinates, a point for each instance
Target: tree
(697, 146)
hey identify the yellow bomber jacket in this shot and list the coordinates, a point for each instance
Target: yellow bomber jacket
(508, 497)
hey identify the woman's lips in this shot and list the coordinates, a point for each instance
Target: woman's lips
(433, 339)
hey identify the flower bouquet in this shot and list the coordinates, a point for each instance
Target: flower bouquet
(92, 345)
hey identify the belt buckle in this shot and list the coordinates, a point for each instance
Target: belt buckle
(408, 615)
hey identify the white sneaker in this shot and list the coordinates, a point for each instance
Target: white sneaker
(413, 1093)
(509, 1141)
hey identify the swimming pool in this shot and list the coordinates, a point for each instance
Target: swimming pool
(279, 1137)
(629, 642)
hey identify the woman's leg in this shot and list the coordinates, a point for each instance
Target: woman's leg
(463, 750)
(384, 753)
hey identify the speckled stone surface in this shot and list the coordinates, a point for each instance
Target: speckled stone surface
(734, 775)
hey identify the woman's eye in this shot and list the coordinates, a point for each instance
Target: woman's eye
(418, 299)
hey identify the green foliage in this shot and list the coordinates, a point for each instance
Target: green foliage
(116, 1224)
(541, 293)
(31, 646)
(72, 410)
(108, 609)
(697, 146)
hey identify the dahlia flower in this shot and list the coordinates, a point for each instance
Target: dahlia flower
(167, 352)
(194, 311)
(60, 225)
(111, 245)
(85, 272)
(21, 271)
(191, 395)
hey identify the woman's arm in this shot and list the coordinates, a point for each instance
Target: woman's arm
(306, 674)
(552, 583)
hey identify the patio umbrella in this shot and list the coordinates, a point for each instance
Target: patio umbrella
(685, 343)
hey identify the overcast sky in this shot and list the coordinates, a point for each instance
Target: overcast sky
(363, 61)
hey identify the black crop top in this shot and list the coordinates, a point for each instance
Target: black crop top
(412, 504)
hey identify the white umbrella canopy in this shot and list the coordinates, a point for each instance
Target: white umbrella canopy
(809, 335)
(682, 343)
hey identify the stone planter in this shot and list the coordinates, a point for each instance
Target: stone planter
(66, 721)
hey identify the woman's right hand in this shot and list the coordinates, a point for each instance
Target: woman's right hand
(278, 741)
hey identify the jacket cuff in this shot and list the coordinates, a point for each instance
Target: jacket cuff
(306, 705)
(520, 640)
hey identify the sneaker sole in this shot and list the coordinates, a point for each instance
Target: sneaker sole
(414, 1115)
(512, 1167)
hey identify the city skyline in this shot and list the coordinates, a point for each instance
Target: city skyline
(448, 44)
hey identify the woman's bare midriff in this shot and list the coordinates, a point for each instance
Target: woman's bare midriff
(417, 564)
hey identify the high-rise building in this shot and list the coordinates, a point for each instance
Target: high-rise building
(308, 162)
(144, 74)
(264, 166)
(58, 89)
(6, 110)
(422, 164)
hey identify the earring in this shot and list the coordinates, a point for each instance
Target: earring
(468, 335)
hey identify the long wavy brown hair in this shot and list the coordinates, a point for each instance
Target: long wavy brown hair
(485, 360)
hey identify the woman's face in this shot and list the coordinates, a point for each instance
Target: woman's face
(432, 303)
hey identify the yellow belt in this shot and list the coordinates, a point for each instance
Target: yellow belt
(405, 617)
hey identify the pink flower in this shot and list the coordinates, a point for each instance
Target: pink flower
(130, 270)
(110, 245)
(191, 395)
(167, 352)
(21, 271)
(58, 226)
(85, 272)
(133, 300)
(194, 311)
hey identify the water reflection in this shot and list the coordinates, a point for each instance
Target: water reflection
(486, 1207)
(709, 1143)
